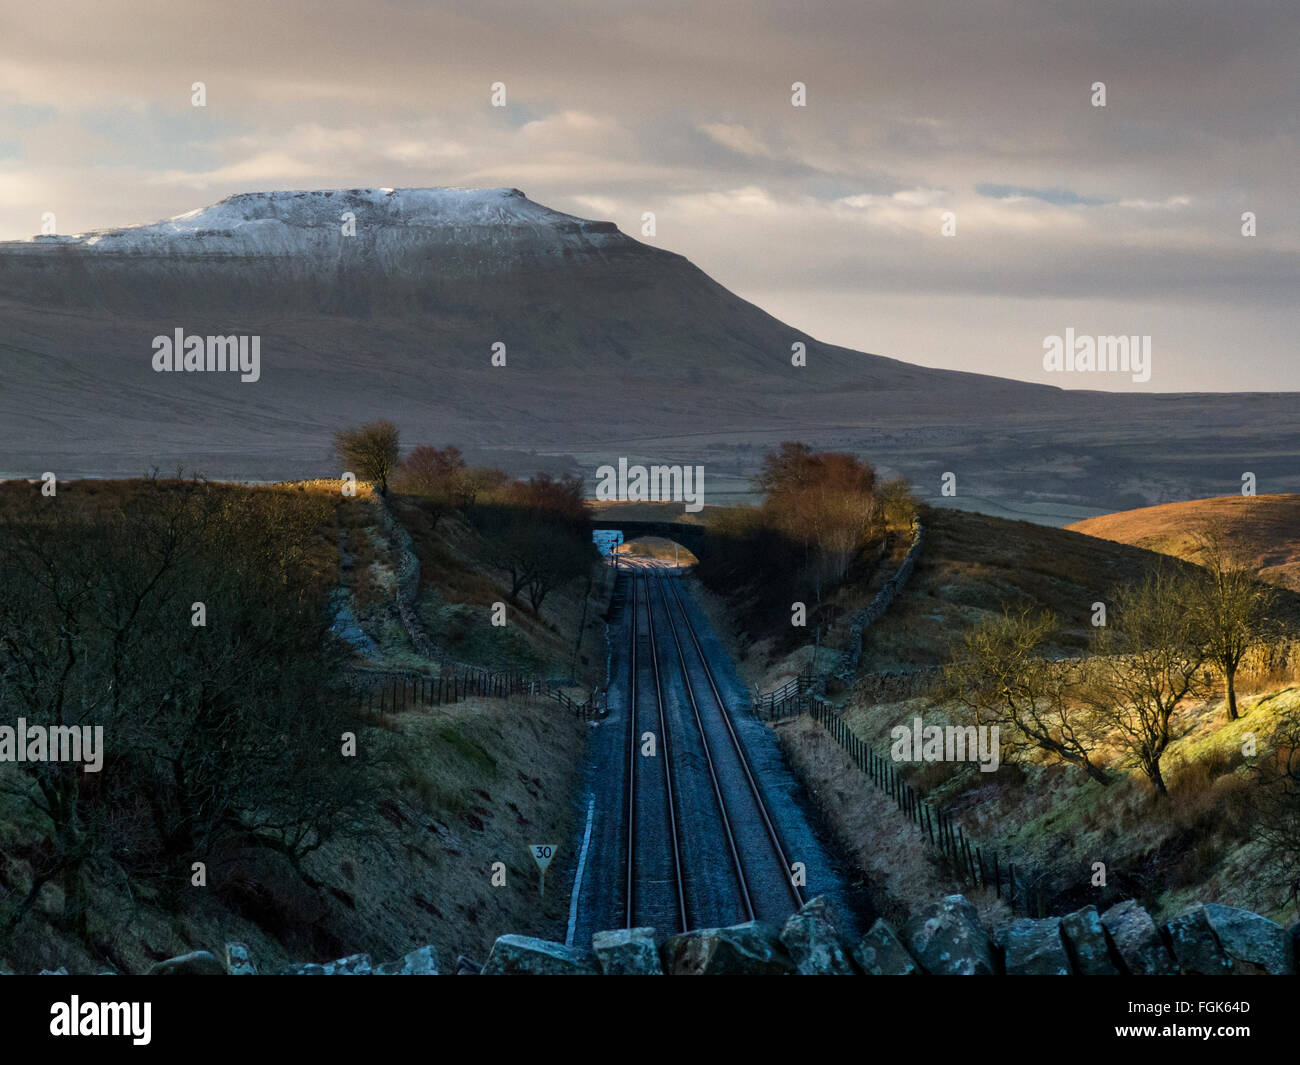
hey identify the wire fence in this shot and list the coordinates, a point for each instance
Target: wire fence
(1022, 888)
(409, 691)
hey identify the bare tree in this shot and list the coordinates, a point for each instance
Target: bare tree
(512, 547)
(1234, 605)
(439, 473)
(212, 733)
(561, 557)
(897, 503)
(482, 481)
(371, 450)
(1146, 663)
(843, 521)
(1276, 801)
(539, 536)
(1002, 676)
(824, 501)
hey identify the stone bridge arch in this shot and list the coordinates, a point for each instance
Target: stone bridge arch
(688, 534)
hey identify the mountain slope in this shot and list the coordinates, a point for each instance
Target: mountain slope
(1266, 528)
(483, 264)
(612, 348)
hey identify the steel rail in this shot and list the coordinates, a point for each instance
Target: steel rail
(665, 754)
(772, 833)
(741, 879)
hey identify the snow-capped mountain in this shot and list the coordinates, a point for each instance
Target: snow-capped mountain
(366, 303)
(463, 267)
(321, 222)
(342, 251)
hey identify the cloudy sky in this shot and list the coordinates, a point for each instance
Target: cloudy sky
(1123, 219)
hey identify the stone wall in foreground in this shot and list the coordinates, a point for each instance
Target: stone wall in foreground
(944, 938)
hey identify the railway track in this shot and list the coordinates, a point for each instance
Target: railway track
(661, 890)
(655, 889)
(637, 563)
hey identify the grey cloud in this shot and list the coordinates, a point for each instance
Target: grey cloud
(985, 95)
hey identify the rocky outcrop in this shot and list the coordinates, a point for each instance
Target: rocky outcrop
(947, 938)
(628, 952)
(752, 948)
(526, 956)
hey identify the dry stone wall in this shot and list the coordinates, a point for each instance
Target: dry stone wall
(884, 598)
(944, 938)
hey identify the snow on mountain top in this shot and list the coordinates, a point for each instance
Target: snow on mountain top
(391, 206)
(282, 222)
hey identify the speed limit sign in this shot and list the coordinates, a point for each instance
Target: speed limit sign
(543, 853)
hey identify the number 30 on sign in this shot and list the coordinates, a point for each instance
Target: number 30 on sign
(543, 853)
